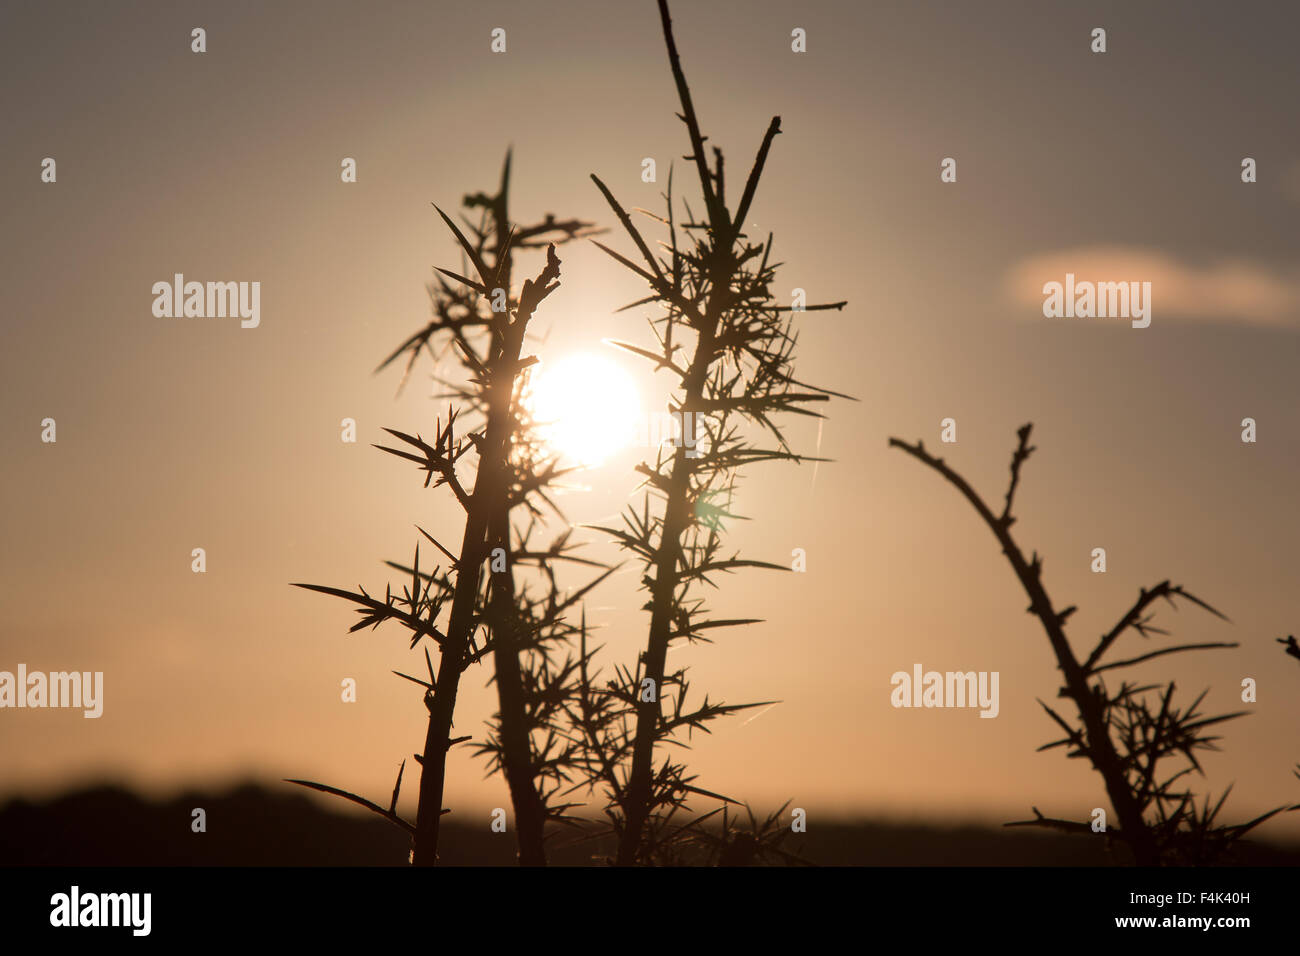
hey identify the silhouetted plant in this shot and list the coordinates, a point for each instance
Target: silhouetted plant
(755, 843)
(712, 283)
(519, 627)
(1292, 647)
(1124, 733)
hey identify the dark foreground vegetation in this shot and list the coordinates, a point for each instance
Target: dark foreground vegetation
(252, 825)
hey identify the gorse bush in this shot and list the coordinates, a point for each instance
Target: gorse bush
(559, 729)
(1127, 733)
(474, 610)
(730, 346)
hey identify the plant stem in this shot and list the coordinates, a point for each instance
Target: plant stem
(1100, 747)
(487, 500)
(516, 754)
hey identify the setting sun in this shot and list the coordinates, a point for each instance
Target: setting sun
(586, 407)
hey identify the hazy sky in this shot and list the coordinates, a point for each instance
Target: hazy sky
(175, 434)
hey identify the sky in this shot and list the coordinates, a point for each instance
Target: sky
(175, 434)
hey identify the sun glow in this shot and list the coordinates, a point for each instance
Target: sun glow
(586, 407)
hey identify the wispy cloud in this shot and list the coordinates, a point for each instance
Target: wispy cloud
(1226, 290)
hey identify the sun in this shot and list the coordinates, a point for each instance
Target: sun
(586, 407)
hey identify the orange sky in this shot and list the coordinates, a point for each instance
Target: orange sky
(177, 434)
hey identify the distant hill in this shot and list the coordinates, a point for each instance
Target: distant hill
(256, 825)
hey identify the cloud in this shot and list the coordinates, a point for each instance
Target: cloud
(1232, 291)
